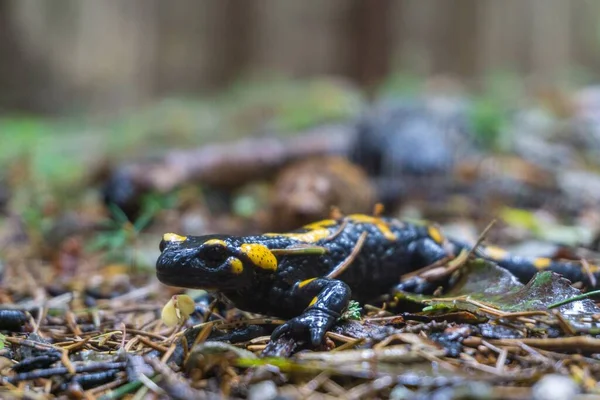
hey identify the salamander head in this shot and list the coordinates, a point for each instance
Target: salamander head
(212, 262)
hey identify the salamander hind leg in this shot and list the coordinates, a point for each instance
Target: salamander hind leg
(425, 251)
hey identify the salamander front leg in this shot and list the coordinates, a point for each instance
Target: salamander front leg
(325, 298)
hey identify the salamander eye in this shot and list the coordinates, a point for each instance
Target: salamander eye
(214, 254)
(162, 245)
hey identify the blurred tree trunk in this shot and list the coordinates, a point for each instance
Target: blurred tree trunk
(369, 36)
(20, 79)
(300, 37)
(110, 55)
(201, 45)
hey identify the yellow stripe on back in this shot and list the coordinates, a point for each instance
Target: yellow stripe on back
(212, 242)
(542, 263)
(378, 222)
(312, 236)
(593, 268)
(495, 253)
(305, 282)
(435, 234)
(326, 223)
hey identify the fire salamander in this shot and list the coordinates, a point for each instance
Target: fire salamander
(310, 275)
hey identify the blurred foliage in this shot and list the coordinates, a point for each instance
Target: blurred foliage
(501, 92)
(63, 150)
(52, 147)
(120, 236)
(401, 84)
(544, 229)
(31, 200)
(489, 123)
(525, 219)
(289, 106)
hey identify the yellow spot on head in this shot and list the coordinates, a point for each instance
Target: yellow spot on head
(305, 282)
(495, 253)
(260, 255)
(217, 242)
(542, 263)
(378, 222)
(435, 234)
(237, 267)
(313, 301)
(173, 237)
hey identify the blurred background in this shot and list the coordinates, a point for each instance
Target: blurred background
(122, 120)
(86, 56)
(242, 116)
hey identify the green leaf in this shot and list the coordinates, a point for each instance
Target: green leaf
(486, 283)
(143, 221)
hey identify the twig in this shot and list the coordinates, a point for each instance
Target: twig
(574, 298)
(47, 373)
(339, 269)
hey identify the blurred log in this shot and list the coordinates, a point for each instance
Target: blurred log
(228, 165)
(371, 38)
(223, 165)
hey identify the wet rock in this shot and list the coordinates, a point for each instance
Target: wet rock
(410, 138)
(581, 186)
(587, 117)
(411, 148)
(543, 153)
(462, 391)
(401, 392)
(450, 343)
(493, 331)
(120, 190)
(194, 220)
(12, 320)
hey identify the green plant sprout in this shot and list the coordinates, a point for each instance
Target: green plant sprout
(121, 237)
(353, 311)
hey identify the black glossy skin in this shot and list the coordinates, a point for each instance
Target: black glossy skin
(391, 248)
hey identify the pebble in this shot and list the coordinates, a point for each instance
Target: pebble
(554, 387)
(264, 390)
